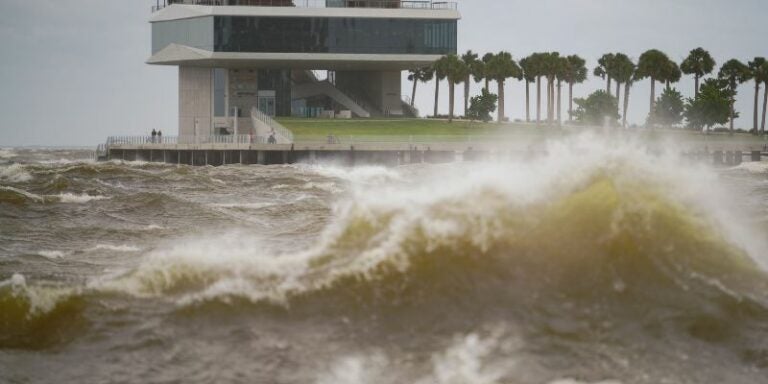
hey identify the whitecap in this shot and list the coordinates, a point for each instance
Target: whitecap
(71, 198)
(115, 248)
(52, 254)
(329, 187)
(15, 173)
(242, 205)
(7, 153)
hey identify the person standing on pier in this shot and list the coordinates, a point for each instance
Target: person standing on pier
(154, 135)
(159, 136)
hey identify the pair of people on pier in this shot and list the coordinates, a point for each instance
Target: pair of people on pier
(157, 136)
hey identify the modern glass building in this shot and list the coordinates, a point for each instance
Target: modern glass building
(237, 55)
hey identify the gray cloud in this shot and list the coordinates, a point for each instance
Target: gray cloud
(73, 72)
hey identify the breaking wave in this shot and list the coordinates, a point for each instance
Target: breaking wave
(37, 316)
(594, 220)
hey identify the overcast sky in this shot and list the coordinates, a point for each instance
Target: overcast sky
(72, 72)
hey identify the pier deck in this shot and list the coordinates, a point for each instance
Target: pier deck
(385, 153)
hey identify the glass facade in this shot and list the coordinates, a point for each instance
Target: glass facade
(196, 33)
(219, 92)
(334, 35)
(308, 35)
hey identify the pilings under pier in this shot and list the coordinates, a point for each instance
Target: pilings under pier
(363, 154)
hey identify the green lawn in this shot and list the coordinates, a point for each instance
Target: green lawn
(304, 129)
(318, 129)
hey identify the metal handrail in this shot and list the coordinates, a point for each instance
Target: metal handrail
(403, 4)
(183, 139)
(277, 127)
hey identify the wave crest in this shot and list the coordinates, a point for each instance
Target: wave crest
(36, 316)
(611, 222)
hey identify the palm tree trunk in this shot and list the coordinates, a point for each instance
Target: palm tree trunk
(627, 85)
(451, 88)
(527, 101)
(552, 119)
(696, 85)
(437, 92)
(549, 90)
(653, 95)
(486, 84)
(733, 112)
(765, 105)
(559, 100)
(618, 89)
(500, 82)
(551, 102)
(538, 100)
(413, 93)
(570, 101)
(757, 98)
(608, 85)
(466, 95)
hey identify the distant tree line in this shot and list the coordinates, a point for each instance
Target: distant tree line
(712, 102)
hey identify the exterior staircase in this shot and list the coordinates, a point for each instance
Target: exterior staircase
(265, 126)
(309, 89)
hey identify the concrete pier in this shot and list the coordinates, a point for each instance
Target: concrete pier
(390, 154)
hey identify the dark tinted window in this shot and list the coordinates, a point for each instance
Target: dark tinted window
(334, 35)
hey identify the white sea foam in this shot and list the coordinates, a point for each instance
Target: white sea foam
(329, 187)
(115, 248)
(474, 358)
(450, 207)
(7, 153)
(54, 254)
(14, 173)
(243, 205)
(358, 175)
(26, 194)
(753, 167)
(71, 198)
(40, 299)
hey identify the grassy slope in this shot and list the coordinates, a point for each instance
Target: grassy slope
(319, 129)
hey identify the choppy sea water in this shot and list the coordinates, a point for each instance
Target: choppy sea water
(600, 263)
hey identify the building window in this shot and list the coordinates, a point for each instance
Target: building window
(334, 35)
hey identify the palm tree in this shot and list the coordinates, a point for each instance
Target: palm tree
(439, 68)
(698, 63)
(754, 68)
(672, 74)
(549, 67)
(500, 68)
(456, 72)
(603, 70)
(623, 73)
(486, 59)
(734, 72)
(471, 62)
(575, 73)
(528, 66)
(653, 64)
(621, 67)
(763, 74)
(421, 74)
(563, 71)
(536, 61)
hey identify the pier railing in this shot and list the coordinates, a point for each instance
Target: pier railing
(387, 4)
(184, 139)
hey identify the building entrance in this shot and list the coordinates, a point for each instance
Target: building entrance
(266, 103)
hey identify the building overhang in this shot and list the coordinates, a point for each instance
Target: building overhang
(180, 11)
(175, 54)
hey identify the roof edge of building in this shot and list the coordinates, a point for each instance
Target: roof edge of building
(183, 11)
